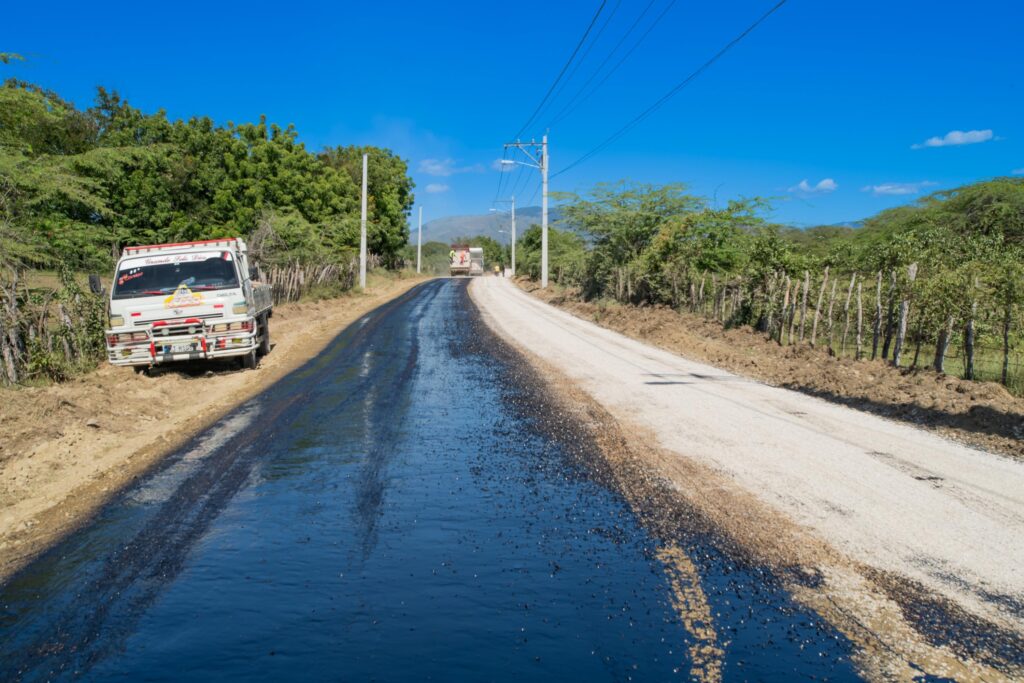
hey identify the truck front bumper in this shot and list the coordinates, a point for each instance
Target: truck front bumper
(154, 350)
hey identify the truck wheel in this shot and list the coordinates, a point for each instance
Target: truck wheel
(264, 348)
(250, 361)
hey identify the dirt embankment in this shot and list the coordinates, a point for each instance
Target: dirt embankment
(65, 449)
(981, 414)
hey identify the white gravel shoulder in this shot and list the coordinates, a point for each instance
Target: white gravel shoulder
(886, 494)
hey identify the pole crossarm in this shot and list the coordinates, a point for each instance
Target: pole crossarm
(541, 161)
(524, 147)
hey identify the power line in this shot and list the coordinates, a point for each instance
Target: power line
(564, 69)
(534, 195)
(570, 107)
(667, 96)
(586, 53)
(501, 175)
(520, 175)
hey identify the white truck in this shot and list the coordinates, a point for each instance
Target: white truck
(476, 261)
(458, 263)
(187, 301)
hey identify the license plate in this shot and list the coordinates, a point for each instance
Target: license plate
(183, 348)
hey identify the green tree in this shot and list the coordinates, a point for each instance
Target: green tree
(389, 189)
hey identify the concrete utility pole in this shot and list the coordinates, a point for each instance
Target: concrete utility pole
(419, 242)
(543, 162)
(362, 231)
(513, 235)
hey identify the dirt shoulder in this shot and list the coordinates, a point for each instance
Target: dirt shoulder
(906, 543)
(65, 449)
(980, 414)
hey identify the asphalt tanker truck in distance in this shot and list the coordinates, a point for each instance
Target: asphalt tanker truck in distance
(186, 302)
(465, 260)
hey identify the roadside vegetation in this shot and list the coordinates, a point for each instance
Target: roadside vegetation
(938, 283)
(78, 185)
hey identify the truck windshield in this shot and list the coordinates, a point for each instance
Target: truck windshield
(163, 274)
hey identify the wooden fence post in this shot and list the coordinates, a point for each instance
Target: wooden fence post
(817, 309)
(1007, 320)
(782, 315)
(942, 345)
(768, 314)
(831, 321)
(792, 312)
(901, 329)
(846, 314)
(969, 334)
(860, 320)
(889, 318)
(803, 305)
(876, 329)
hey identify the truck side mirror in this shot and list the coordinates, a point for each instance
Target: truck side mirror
(253, 273)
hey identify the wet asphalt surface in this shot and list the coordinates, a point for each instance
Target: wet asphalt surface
(404, 507)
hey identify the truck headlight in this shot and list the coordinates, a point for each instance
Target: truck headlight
(117, 321)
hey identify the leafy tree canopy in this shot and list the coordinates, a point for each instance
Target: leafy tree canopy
(78, 185)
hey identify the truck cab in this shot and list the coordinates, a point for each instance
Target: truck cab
(187, 301)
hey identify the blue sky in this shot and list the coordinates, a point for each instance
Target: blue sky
(828, 107)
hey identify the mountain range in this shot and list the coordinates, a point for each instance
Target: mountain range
(448, 229)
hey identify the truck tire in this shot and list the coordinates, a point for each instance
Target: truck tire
(250, 361)
(264, 326)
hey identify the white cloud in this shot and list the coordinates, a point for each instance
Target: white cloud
(957, 137)
(896, 189)
(823, 187)
(446, 167)
(435, 188)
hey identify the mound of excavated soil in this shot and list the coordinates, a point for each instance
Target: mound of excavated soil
(981, 414)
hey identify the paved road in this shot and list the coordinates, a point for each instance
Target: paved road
(405, 507)
(892, 497)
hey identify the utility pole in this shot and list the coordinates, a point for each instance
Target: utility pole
(362, 231)
(543, 162)
(419, 242)
(513, 235)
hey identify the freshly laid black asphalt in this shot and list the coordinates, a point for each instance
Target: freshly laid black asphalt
(405, 507)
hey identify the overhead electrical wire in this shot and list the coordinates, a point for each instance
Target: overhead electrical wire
(671, 93)
(576, 101)
(586, 53)
(565, 68)
(520, 175)
(501, 176)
